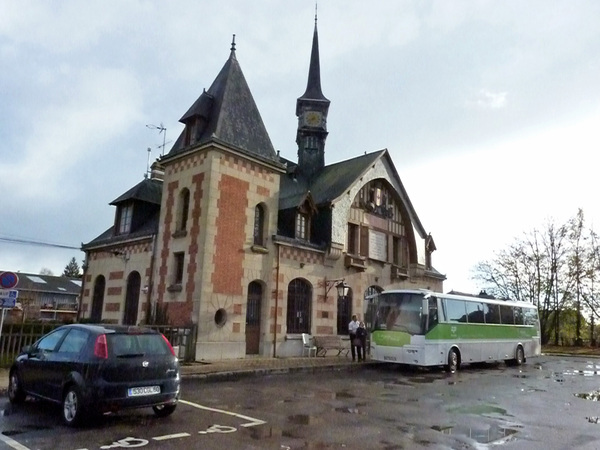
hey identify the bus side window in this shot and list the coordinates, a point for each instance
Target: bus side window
(506, 314)
(475, 312)
(456, 310)
(492, 313)
(530, 317)
(433, 313)
(519, 320)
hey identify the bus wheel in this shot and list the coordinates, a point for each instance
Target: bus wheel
(453, 361)
(519, 356)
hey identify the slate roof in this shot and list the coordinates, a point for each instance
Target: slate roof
(313, 86)
(149, 228)
(231, 115)
(148, 190)
(328, 185)
(333, 181)
(48, 283)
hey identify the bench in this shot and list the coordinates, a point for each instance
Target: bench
(331, 342)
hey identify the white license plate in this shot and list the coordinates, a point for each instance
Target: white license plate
(146, 390)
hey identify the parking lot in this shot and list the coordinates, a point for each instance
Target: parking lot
(551, 399)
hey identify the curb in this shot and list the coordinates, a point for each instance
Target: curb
(234, 375)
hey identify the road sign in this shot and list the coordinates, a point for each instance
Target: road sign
(8, 298)
(8, 280)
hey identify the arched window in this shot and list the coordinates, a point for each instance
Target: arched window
(98, 299)
(132, 298)
(344, 312)
(259, 225)
(183, 209)
(298, 306)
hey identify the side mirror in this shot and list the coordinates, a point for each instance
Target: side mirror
(425, 307)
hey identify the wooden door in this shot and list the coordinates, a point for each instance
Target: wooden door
(253, 318)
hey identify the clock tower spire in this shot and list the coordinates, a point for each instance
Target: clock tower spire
(311, 110)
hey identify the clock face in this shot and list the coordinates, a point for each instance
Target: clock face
(312, 118)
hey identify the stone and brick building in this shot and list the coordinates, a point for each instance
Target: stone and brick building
(251, 247)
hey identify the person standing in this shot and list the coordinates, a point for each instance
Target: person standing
(352, 327)
(361, 341)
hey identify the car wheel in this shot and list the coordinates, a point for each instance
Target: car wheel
(72, 407)
(453, 361)
(16, 394)
(164, 410)
(520, 356)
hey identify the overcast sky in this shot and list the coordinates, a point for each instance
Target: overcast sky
(490, 109)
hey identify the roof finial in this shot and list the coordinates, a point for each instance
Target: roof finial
(315, 13)
(233, 44)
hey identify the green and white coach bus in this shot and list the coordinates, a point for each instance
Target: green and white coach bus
(424, 328)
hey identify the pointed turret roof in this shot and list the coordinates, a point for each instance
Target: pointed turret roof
(228, 115)
(313, 86)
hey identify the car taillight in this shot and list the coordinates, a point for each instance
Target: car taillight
(169, 344)
(100, 348)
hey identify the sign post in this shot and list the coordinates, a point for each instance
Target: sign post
(8, 295)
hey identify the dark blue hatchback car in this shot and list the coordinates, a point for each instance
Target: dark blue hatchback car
(94, 369)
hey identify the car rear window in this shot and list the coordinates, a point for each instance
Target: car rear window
(137, 344)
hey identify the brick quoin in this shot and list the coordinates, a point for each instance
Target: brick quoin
(195, 233)
(230, 236)
(164, 254)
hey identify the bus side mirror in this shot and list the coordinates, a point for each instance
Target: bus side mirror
(425, 307)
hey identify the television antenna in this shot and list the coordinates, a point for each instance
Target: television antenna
(161, 129)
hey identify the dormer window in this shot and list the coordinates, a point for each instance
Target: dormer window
(125, 217)
(302, 222)
(189, 132)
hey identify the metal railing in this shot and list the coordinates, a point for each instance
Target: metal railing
(15, 336)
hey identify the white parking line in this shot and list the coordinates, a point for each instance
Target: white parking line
(252, 421)
(12, 443)
(171, 436)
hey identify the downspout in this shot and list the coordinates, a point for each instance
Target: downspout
(276, 303)
(151, 310)
(80, 303)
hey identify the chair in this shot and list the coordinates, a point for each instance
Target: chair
(307, 345)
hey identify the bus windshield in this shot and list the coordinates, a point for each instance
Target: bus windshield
(399, 311)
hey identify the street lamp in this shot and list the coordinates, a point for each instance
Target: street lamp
(340, 285)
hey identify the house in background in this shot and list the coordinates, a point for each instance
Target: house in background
(45, 297)
(248, 246)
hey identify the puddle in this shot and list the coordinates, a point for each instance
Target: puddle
(584, 373)
(263, 432)
(593, 396)
(347, 410)
(533, 390)
(343, 395)
(303, 419)
(479, 410)
(421, 380)
(491, 434)
(397, 383)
